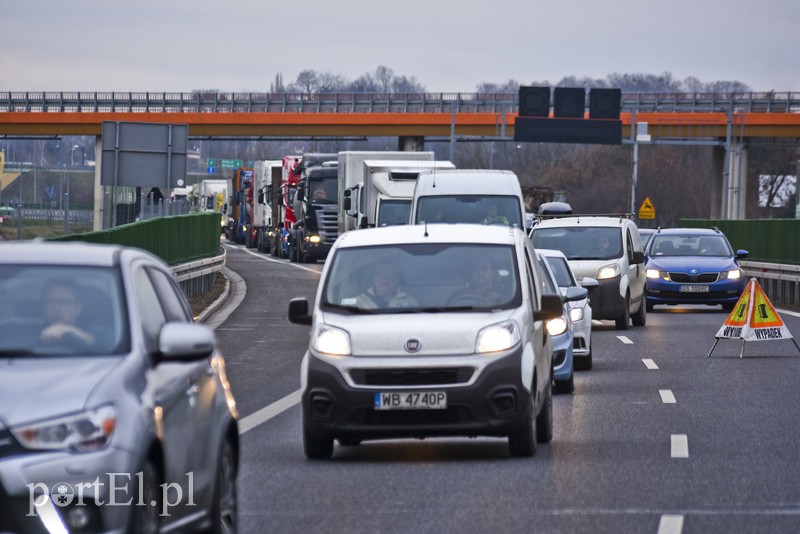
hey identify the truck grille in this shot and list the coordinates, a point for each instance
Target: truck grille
(702, 278)
(412, 377)
(328, 223)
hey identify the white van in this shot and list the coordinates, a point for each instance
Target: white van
(608, 249)
(476, 196)
(435, 330)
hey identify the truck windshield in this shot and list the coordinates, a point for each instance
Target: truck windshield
(429, 278)
(476, 209)
(581, 242)
(391, 212)
(323, 190)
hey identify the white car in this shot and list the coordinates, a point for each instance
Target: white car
(438, 354)
(580, 312)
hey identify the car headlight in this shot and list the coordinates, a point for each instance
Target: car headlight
(608, 271)
(655, 273)
(735, 274)
(497, 337)
(86, 431)
(576, 314)
(330, 340)
(557, 326)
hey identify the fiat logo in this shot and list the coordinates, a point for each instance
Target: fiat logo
(413, 345)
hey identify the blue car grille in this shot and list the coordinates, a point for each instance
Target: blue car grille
(702, 278)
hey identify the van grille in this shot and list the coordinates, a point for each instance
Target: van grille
(412, 377)
(448, 416)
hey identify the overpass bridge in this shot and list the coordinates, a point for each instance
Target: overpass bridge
(727, 121)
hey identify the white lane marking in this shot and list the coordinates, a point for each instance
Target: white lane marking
(679, 445)
(787, 312)
(666, 396)
(265, 258)
(625, 340)
(597, 322)
(670, 524)
(268, 412)
(650, 364)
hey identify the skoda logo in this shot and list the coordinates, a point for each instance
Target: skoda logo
(693, 271)
(413, 345)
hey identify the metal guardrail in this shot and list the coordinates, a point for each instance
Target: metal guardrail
(217, 102)
(781, 282)
(198, 276)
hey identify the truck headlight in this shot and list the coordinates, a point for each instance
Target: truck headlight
(497, 337)
(313, 239)
(83, 432)
(608, 271)
(330, 340)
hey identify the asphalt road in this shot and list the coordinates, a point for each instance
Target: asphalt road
(657, 437)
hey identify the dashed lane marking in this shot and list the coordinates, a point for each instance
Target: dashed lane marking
(268, 412)
(670, 524)
(650, 364)
(666, 396)
(679, 446)
(625, 340)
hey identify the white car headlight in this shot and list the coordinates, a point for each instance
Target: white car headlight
(734, 274)
(608, 271)
(653, 273)
(330, 340)
(497, 337)
(557, 326)
(86, 431)
(576, 314)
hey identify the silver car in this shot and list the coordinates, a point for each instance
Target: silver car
(115, 411)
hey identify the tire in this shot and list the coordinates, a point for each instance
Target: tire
(349, 442)
(566, 386)
(523, 441)
(584, 363)
(224, 506)
(623, 322)
(640, 317)
(544, 421)
(316, 448)
(649, 307)
(144, 517)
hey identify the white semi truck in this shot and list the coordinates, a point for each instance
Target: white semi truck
(384, 196)
(267, 182)
(351, 179)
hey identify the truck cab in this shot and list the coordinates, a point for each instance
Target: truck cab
(316, 208)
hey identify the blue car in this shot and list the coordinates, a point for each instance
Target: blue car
(693, 266)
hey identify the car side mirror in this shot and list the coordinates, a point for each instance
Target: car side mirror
(552, 307)
(637, 257)
(575, 293)
(742, 254)
(185, 341)
(298, 311)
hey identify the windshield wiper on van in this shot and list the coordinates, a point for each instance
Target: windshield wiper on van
(444, 309)
(351, 309)
(12, 353)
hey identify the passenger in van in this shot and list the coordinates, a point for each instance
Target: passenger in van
(385, 291)
(493, 217)
(482, 285)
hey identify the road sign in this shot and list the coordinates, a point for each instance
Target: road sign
(647, 210)
(230, 163)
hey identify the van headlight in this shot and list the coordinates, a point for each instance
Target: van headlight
(497, 337)
(608, 271)
(83, 432)
(330, 340)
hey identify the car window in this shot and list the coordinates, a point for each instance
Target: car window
(395, 278)
(152, 315)
(548, 285)
(476, 209)
(170, 295)
(62, 310)
(689, 245)
(581, 242)
(561, 271)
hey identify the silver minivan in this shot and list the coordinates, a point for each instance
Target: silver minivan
(428, 330)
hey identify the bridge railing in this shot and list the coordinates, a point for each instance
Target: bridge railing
(226, 102)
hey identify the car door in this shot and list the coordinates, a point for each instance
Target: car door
(201, 390)
(170, 386)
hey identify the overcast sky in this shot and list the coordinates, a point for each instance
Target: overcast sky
(448, 46)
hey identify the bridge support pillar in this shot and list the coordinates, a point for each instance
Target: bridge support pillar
(411, 143)
(729, 189)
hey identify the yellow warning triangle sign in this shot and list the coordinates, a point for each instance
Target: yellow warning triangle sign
(647, 210)
(754, 318)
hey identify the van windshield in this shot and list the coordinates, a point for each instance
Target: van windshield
(435, 277)
(581, 242)
(476, 209)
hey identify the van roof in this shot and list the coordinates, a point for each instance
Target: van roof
(583, 220)
(502, 182)
(431, 233)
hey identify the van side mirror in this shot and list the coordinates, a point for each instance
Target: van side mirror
(552, 307)
(637, 257)
(298, 311)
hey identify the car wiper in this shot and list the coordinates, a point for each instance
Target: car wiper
(352, 309)
(444, 309)
(12, 353)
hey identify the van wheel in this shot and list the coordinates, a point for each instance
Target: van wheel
(623, 322)
(523, 441)
(544, 421)
(317, 448)
(640, 317)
